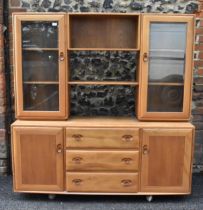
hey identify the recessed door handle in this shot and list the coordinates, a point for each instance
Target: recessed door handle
(61, 56)
(59, 148)
(145, 150)
(145, 57)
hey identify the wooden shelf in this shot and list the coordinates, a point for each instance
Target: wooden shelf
(103, 49)
(40, 49)
(104, 32)
(42, 82)
(102, 83)
(166, 83)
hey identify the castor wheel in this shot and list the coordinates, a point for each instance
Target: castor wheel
(149, 198)
(51, 196)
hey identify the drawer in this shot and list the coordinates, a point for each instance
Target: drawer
(102, 138)
(102, 182)
(87, 160)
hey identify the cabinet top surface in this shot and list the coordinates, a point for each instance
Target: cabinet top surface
(103, 122)
(99, 14)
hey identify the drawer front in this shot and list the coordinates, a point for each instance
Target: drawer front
(87, 160)
(102, 138)
(102, 182)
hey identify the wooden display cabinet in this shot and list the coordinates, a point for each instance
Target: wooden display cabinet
(103, 155)
(166, 67)
(40, 66)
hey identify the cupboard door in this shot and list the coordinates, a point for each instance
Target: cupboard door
(38, 159)
(166, 60)
(166, 160)
(40, 71)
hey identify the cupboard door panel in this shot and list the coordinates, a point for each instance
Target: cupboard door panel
(40, 66)
(38, 159)
(166, 60)
(166, 160)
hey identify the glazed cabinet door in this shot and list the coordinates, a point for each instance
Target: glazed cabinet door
(37, 158)
(166, 67)
(40, 66)
(166, 160)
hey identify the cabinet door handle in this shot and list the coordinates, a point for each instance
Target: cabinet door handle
(77, 137)
(127, 161)
(59, 148)
(61, 56)
(145, 57)
(127, 138)
(126, 182)
(145, 150)
(77, 181)
(77, 160)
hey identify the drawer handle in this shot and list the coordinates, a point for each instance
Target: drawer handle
(77, 160)
(59, 148)
(127, 138)
(145, 150)
(77, 137)
(77, 181)
(126, 182)
(127, 161)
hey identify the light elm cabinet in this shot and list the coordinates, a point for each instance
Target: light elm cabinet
(56, 152)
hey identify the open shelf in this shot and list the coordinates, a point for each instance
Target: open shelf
(102, 83)
(102, 100)
(96, 67)
(104, 32)
(103, 49)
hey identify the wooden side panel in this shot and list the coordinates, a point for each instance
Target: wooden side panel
(102, 182)
(88, 160)
(166, 160)
(38, 159)
(102, 138)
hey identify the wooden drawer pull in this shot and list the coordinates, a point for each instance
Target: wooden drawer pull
(127, 138)
(77, 160)
(77, 181)
(127, 161)
(77, 137)
(59, 148)
(126, 182)
(145, 150)
(61, 56)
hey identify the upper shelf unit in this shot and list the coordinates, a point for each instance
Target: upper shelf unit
(104, 32)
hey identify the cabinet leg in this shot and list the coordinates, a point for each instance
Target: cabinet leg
(149, 198)
(51, 196)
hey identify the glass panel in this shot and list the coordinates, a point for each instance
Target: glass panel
(103, 66)
(167, 47)
(40, 65)
(167, 52)
(37, 34)
(103, 100)
(41, 97)
(165, 98)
